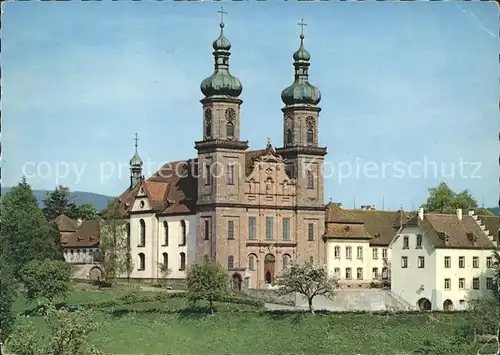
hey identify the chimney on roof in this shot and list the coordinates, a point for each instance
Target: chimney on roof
(78, 222)
(421, 213)
(459, 214)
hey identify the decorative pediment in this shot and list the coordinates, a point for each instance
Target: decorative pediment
(271, 157)
(141, 204)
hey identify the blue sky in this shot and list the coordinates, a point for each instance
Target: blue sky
(401, 83)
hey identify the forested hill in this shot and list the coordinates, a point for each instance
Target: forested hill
(97, 200)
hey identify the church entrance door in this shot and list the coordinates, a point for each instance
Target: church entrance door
(269, 268)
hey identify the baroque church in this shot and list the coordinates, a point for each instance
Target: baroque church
(254, 211)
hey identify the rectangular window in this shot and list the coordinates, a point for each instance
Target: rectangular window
(348, 252)
(208, 175)
(447, 284)
(348, 273)
(286, 228)
(375, 274)
(461, 283)
(404, 262)
(384, 253)
(230, 229)
(419, 242)
(337, 252)
(461, 262)
(310, 232)
(421, 262)
(489, 262)
(375, 253)
(359, 253)
(359, 273)
(489, 283)
(447, 262)
(406, 242)
(310, 180)
(230, 176)
(251, 227)
(207, 229)
(475, 283)
(336, 273)
(475, 262)
(269, 228)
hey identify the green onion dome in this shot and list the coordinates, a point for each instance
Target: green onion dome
(301, 92)
(221, 82)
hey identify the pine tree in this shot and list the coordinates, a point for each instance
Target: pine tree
(26, 234)
(58, 202)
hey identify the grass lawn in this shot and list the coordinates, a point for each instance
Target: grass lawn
(134, 330)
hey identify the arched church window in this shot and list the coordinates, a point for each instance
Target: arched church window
(230, 115)
(183, 262)
(229, 130)
(183, 233)
(208, 123)
(142, 261)
(142, 233)
(310, 137)
(165, 233)
(310, 130)
(289, 137)
(310, 180)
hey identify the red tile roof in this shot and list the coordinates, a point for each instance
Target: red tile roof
(75, 235)
(447, 231)
(382, 226)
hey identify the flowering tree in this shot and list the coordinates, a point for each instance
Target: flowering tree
(307, 279)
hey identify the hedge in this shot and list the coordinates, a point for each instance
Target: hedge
(137, 298)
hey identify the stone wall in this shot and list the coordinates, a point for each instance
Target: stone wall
(355, 300)
(343, 300)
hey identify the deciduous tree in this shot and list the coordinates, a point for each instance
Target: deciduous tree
(84, 211)
(444, 200)
(25, 234)
(46, 281)
(69, 333)
(114, 246)
(496, 271)
(7, 297)
(165, 271)
(207, 280)
(307, 279)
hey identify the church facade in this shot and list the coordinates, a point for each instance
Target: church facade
(254, 211)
